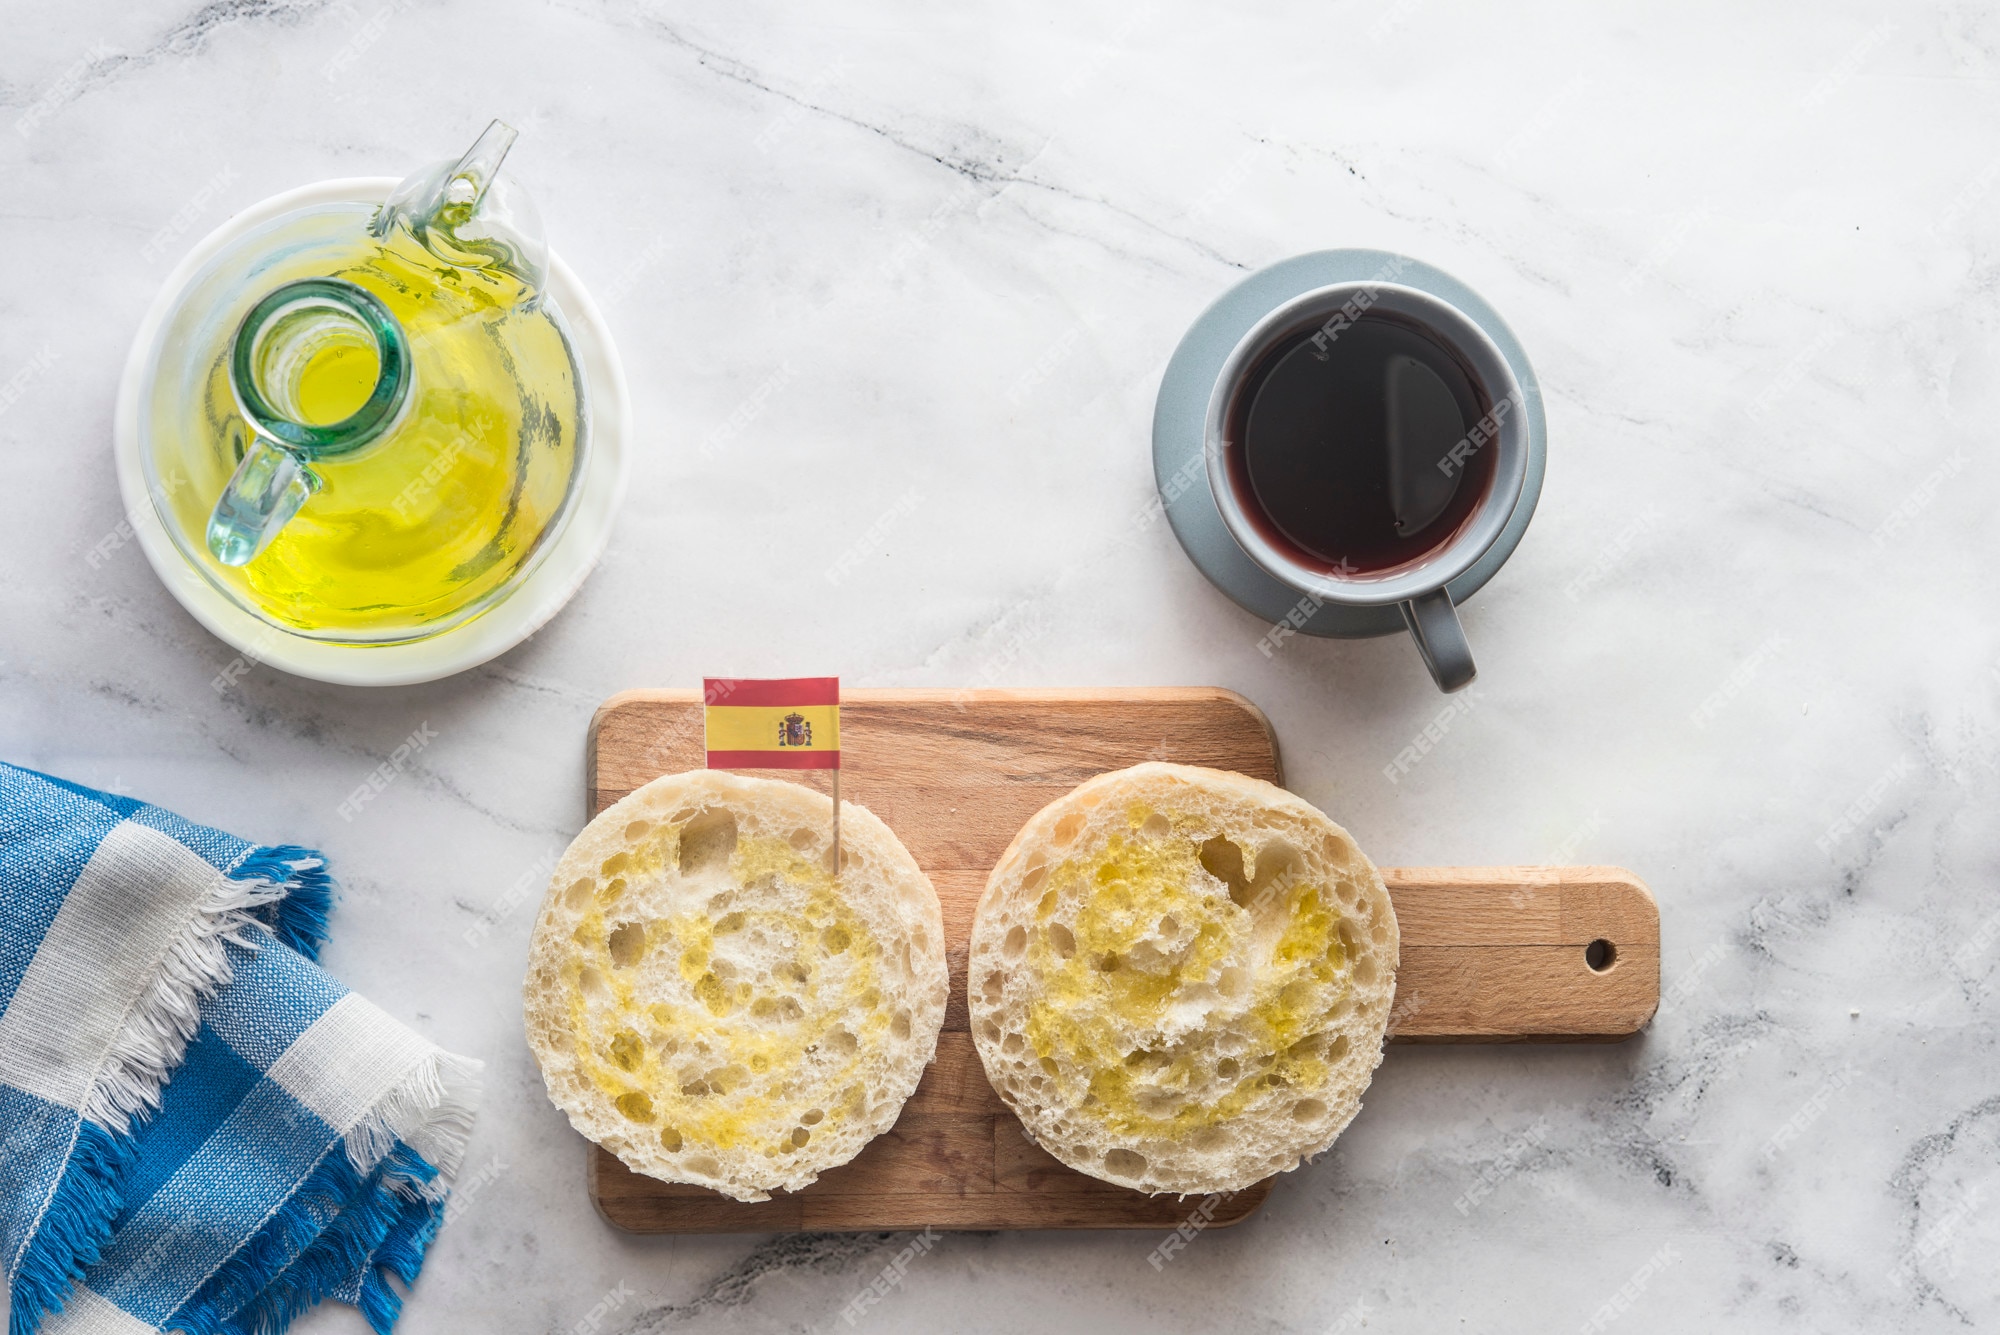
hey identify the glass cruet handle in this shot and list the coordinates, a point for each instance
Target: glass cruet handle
(294, 328)
(263, 494)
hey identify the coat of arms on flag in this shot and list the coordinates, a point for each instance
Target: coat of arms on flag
(794, 729)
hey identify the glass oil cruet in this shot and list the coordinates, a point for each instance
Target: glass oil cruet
(368, 421)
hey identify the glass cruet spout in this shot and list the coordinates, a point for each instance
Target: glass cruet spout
(319, 368)
(470, 214)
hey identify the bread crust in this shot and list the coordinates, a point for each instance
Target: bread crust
(711, 1004)
(1180, 978)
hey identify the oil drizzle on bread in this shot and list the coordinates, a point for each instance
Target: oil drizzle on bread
(1141, 946)
(728, 1062)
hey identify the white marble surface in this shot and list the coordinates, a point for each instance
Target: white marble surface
(926, 262)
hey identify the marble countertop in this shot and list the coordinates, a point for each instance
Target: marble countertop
(895, 288)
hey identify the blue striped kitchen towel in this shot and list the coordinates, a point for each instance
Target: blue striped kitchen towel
(199, 1129)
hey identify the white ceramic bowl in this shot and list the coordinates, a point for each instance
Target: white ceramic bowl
(569, 562)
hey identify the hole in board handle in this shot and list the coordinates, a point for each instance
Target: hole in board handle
(1600, 955)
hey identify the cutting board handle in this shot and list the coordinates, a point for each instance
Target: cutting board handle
(1523, 954)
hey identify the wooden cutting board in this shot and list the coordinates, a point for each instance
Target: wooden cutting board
(1489, 954)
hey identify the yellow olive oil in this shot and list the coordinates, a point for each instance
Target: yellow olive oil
(413, 528)
(337, 381)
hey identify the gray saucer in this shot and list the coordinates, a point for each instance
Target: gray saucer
(1181, 412)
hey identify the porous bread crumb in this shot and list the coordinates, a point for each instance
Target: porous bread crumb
(1180, 978)
(710, 1003)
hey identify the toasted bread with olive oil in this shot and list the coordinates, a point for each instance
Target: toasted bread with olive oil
(1180, 978)
(709, 1002)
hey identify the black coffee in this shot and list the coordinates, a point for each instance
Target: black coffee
(1358, 447)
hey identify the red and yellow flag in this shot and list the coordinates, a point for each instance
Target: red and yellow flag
(782, 723)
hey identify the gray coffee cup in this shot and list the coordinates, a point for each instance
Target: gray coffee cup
(1225, 531)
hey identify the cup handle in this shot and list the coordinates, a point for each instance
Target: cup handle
(1433, 624)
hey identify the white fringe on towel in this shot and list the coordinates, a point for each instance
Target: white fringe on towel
(161, 1023)
(432, 1111)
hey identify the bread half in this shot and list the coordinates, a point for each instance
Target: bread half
(1180, 978)
(711, 1004)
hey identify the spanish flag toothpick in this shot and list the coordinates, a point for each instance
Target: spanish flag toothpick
(775, 723)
